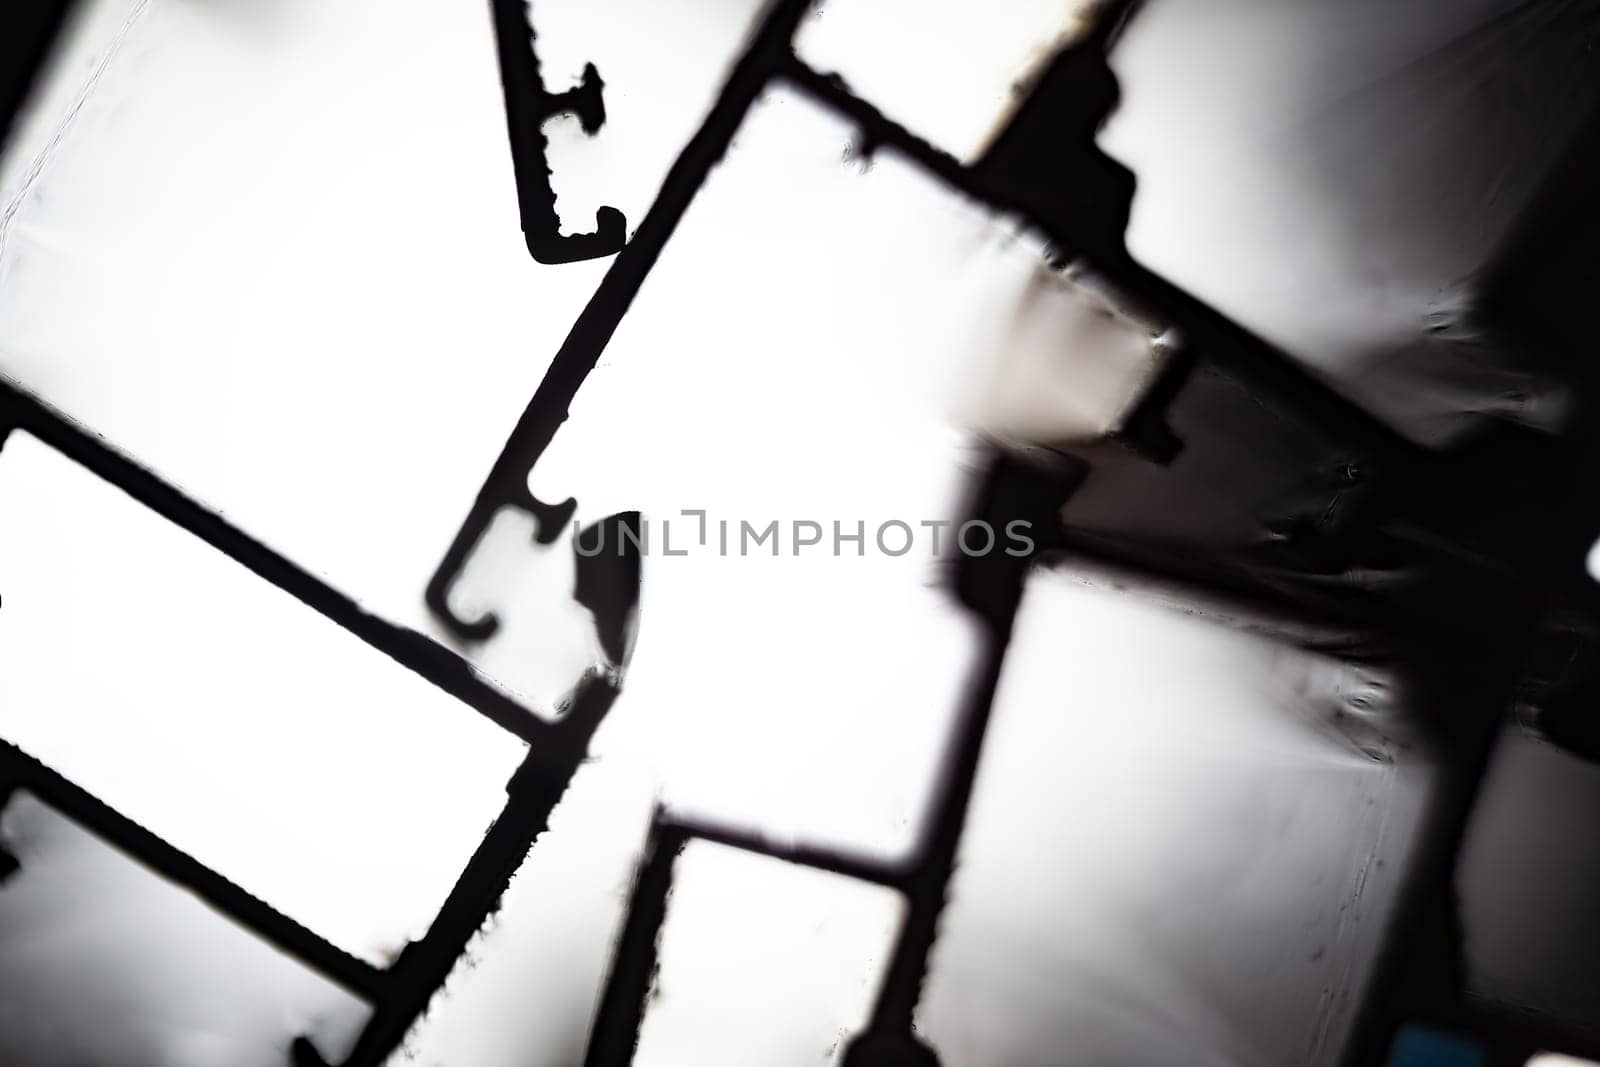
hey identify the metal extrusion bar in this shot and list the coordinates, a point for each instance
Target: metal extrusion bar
(415, 652)
(422, 968)
(18, 770)
(506, 484)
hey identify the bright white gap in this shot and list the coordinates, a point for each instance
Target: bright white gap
(227, 717)
(764, 962)
(1172, 853)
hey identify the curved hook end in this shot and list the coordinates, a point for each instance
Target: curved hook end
(610, 234)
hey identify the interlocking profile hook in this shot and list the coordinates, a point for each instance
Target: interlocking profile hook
(529, 105)
(549, 520)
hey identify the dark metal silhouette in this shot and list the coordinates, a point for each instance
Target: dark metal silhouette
(529, 105)
(1045, 169)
